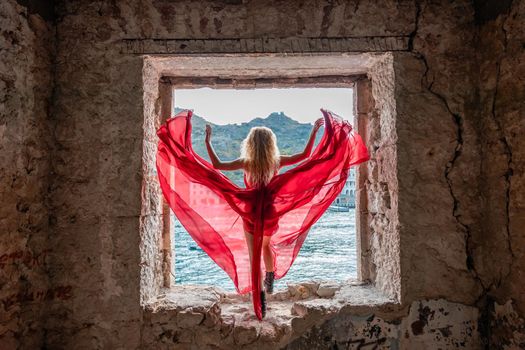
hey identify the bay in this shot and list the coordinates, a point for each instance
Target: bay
(328, 253)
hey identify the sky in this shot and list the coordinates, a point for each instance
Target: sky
(227, 106)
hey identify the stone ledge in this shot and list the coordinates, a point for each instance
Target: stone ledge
(230, 316)
(183, 298)
(191, 317)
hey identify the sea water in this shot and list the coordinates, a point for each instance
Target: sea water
(328, 253)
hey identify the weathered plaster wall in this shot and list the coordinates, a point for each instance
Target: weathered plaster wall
(501, 249)
(99, 133)
(434, 324)
(26, 46)
(459, 177)
(96, 202)
(439, 154)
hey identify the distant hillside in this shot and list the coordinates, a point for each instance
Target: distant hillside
(226, 139)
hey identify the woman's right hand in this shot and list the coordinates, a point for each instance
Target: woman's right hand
(208, 133)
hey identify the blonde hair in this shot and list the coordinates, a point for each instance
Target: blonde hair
(260, 154)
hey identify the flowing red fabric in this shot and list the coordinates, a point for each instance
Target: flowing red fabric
(212, 208)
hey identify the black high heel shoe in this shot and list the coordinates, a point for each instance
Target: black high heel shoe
(268, 282)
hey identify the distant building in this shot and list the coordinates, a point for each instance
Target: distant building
(347, 196)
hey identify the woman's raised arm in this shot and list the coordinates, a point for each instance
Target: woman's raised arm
(217, 163)
(295, 158)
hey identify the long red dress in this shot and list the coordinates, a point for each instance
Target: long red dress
(212, 208)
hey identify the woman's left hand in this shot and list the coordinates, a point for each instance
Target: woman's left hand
(318, 123)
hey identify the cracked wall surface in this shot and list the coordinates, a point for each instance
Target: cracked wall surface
(438, 166)
(72, 107)
(502, 92)
(26, 45)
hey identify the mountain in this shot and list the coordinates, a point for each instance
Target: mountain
(226, 139)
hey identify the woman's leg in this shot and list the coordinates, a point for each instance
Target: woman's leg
(249, 242)
(267, 254)
(268, 263)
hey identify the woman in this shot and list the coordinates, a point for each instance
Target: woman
(260, 159)
(276, 210)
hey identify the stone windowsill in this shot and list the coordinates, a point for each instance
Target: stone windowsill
(289, 312)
